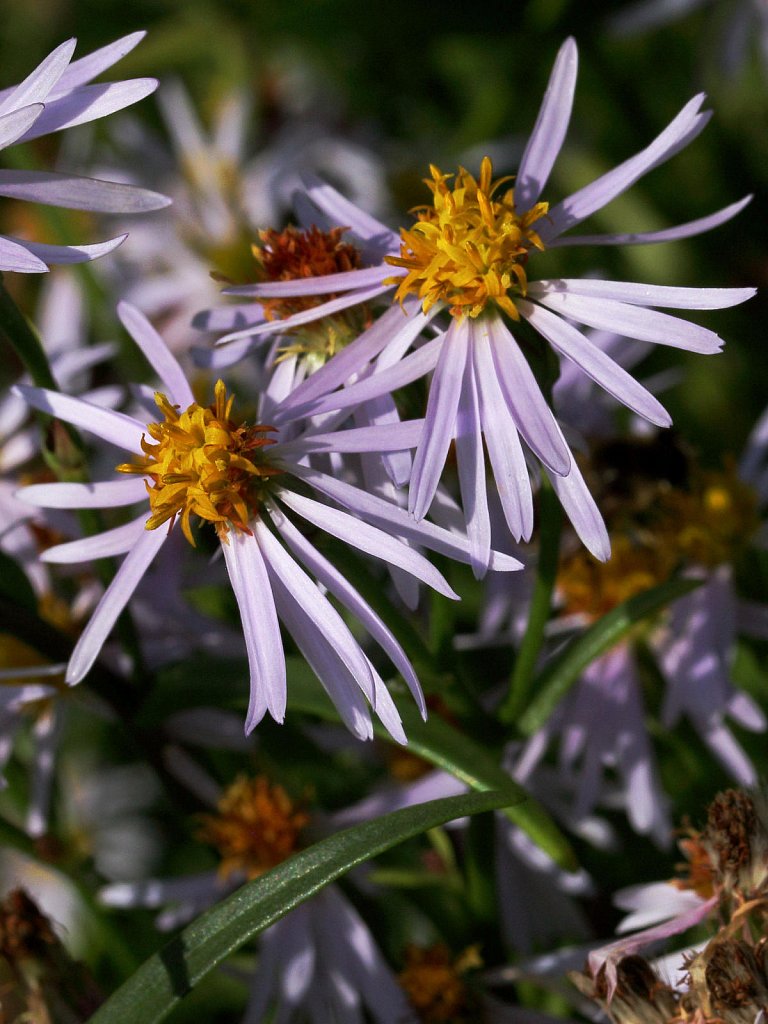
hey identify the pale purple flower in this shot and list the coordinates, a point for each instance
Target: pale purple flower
(482, 384)
(59, 94)
(320, 959)
(601, 727)
(734, 26)
(264, 562)
(228, 178)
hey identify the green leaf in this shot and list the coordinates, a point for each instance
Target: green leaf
(163, 980)
(14, 585)
(25, 341)
(438, 742)
(563, 671)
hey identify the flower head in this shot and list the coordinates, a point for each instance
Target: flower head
(468, 249)
(467, 255)
(249, 483)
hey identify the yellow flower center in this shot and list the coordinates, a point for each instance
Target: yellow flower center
(257, 826)
(714, 519)
(204, 464)
(470, 247)
(434, 983)
(591, 588)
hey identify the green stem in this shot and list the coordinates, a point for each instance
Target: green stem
(24, 341)
(551, 519)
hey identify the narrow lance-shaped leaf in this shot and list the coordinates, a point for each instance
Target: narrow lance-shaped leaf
(163, 980)
(563, 671)
(445, 747)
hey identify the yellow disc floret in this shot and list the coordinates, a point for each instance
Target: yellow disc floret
(204, 464)
(470, 247)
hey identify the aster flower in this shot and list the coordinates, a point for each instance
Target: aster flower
(320, 959)
(200, 463)
(467, 256)
(59, 94)
(228, 178)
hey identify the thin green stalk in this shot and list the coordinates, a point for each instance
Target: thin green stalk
(24, 341)
(551, 518)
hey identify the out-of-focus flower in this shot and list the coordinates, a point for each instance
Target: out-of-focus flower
(320, 955)
(201, 463)
(59, 94)
(227, 180)
(467, 256)
(735, 26)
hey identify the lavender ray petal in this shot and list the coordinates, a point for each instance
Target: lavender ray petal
(582, 511)
(376, 511)
(609, 955)
(643, 294)
(361, 960)
(78, 193)
(471, 466)
(306, 316)
(534, 419)
(81, 71)
(105, 494)
(101, 545)
(245, 561)
(305, 593)
(15, 256)
(389, 329)
(342, 589)
(440, 418)
(115, 598)
(381, 412)
(115, 427)
(69, 254)
(324, 660)
(634, 322)
(687, 230)
(227, 318)
(38, 83)
(414, 366)
(365, 537)
(16, 122)
(342, 212)
(88, 103)
(160, 357)
(229, 355)
(549, 131)
(391, 437)
(323, 284)
(504, 448)
(595, 363)
(678, 133)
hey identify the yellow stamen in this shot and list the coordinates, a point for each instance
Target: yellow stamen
(714, 519)
(468, 248)
(257, 826)
(204, 465)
